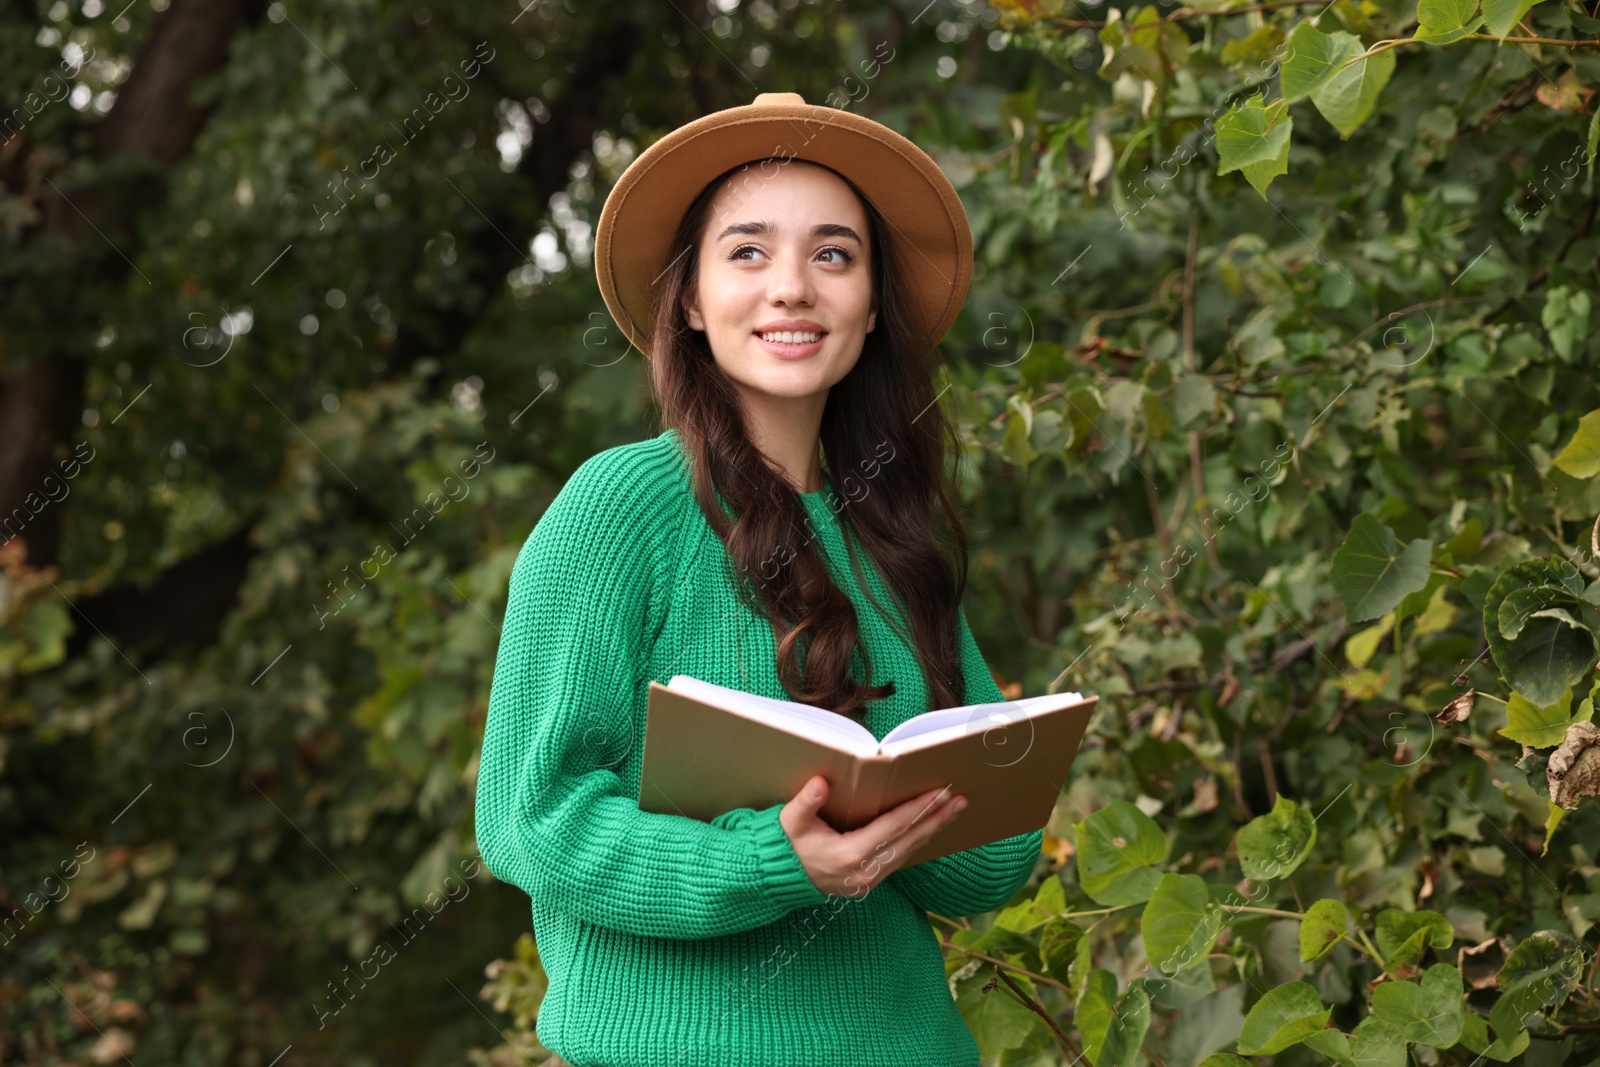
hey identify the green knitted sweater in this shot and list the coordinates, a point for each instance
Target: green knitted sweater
(668, 941)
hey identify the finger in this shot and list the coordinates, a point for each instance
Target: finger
(927, 806)
(921, 832)
(811, 797)
(936, 821)
(894, 823)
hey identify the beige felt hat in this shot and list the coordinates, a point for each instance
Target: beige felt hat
(927, 223)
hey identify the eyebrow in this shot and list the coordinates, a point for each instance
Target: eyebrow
(766, 229)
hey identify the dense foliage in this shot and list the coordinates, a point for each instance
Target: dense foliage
(1276, 376)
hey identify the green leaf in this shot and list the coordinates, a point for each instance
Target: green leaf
(1445, 14)
(1157, 418)
(1194, 982)
(1403, 935)
(1554, 812)
(1566, 317)
(1058, 945)
(1047, 902)
(1193, 396)
(1539, 972)
(1285, 1016)
(1441, 22)
(48, 626)
(1510, 1014)
(1124, 401)
(1376, 1043)
(996, 1019)
(1475, 1036)
(1581, 456)
(1416, 602)
(1117, 848)
(1258, 46)
(1520, 604)
(1372, 574)
(1273, 845)
(1325, 922)
(1358, 648)
(1438, 616)
(189, 941)
(1350, 95)
(1112, 1028)
(1311, 57)
(1373, 1043)
(1051, 897)
(1016, 445)
(998, 942)
(1444, 37)
(1084, 406)
(1427, 1012)
(141, 914)
(1254, 139)
(1540, 727)
(1180, 923)
(1562, 614)
(1549, 654)
(1224, 1059)
(1050, 433)
(1500, 15)
(1546, 570)
(1464, 544)
(1082, 966)
(1594, 143)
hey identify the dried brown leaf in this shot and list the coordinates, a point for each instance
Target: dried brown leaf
(1480, 973)
(1574, 768)
(1458, 709)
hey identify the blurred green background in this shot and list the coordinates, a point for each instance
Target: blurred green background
(1277, 383)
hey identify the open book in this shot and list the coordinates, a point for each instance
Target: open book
(709, 749)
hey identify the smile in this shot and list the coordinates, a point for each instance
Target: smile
(792, 337)
(792, 344)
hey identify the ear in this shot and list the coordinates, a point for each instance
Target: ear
(872, 316)
(691, 311)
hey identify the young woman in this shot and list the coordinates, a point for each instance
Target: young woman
(791, 533)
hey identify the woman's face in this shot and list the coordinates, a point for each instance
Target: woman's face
(784, 294)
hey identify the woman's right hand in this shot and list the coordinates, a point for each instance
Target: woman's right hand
(851, 863)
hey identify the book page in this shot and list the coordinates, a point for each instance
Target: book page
(815, 723)
(930, 728)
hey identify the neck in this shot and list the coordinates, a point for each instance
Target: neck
(787, 431)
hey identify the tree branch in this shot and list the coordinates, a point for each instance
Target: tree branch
(608, 53)
(154, 119)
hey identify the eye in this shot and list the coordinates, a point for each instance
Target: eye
(847, 256)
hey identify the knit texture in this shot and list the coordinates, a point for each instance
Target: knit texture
(668, 941)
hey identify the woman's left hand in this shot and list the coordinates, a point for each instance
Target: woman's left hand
(849, 864)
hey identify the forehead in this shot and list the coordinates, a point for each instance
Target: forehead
(792, 195)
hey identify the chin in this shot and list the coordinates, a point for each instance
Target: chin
(789, 390)
(777, 376)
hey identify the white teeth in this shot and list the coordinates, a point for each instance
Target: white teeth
(791, 338)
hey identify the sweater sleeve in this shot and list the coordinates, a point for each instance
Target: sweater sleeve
(975, 880)
(566, 708)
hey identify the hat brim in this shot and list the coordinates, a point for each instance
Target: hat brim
(927, 222)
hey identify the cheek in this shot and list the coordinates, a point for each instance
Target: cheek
(731, 304)
(857, 303)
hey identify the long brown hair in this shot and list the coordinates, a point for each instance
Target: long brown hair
(892, 456)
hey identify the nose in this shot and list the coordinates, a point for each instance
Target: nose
(789, 280)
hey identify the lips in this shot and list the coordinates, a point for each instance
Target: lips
(785, 350)
(791, 335)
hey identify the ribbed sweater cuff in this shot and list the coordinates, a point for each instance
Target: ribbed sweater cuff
(777, 864)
